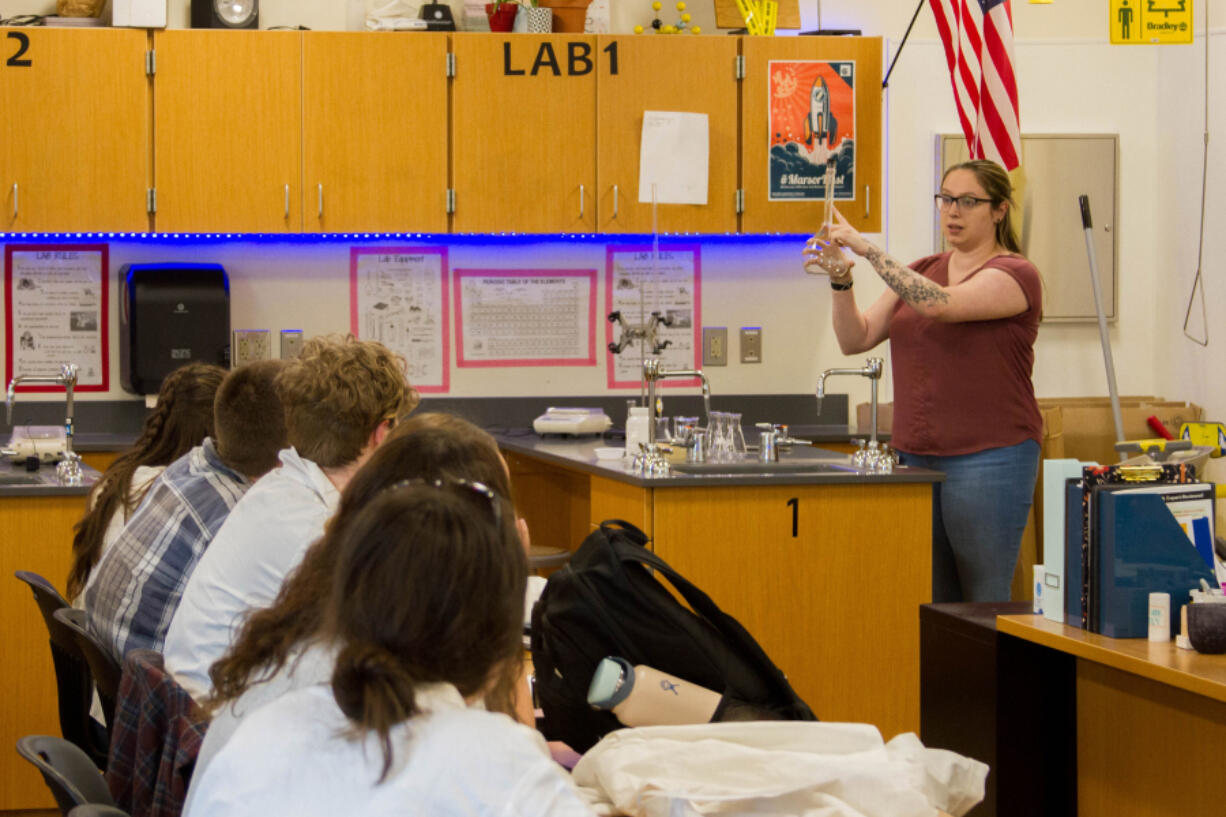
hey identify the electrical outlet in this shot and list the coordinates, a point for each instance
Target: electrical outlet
(291, 343)
(751, 344)
(714, 346)
(250, 345)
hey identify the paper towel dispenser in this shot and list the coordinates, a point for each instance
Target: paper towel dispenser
(171, 315)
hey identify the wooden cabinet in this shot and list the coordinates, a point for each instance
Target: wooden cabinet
(692, 75)
(227, 136)
(374, 140)
(74, 134)
(523, 154)
(857, 61)
(280, 131)
(38, 538)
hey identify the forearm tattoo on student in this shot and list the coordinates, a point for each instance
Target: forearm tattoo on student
(911, 287)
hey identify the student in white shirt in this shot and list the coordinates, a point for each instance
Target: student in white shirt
(280, 648)
(341, 397)
(179, 422)
(424, 616)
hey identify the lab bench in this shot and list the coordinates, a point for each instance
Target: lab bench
(826, 569)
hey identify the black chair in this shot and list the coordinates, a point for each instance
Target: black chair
(96, 810)
(73, 679)
(71, 775)
(102, 666)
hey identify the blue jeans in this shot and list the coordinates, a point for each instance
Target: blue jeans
(978, 516)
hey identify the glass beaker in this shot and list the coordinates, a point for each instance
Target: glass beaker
(662, 430)
(683, 429)
(737, 435)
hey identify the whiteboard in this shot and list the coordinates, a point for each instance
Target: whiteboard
(1059, 168)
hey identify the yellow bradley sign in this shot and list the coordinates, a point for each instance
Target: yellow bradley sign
(1151, 22)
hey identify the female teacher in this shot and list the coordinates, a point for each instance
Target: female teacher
(962, 326)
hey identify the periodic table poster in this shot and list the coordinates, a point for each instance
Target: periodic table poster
(525, 317)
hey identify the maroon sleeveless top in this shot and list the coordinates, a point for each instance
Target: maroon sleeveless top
(965, 387)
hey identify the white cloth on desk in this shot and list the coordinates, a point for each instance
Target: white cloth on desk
(263, 539)
(776, 767)
(294, 757)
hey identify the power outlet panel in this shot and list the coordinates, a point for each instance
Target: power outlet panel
(751, 344)
(714, 346)
(250, 345)
(291, 343)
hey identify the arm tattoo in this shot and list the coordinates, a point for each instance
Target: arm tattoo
(913, 288)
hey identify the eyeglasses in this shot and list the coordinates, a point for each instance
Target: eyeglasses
(964, 202)
(471, 486)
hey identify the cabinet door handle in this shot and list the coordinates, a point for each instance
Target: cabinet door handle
(614, 201)
(287, 201)
(14, 200)
(321, 199)
(581, 192)
(867, 201)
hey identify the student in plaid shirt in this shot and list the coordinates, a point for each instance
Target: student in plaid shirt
(134, 591)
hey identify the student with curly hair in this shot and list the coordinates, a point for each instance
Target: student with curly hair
(341, 396)
(181, 420)
(424, 617)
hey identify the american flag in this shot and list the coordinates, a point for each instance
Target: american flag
(978, 39)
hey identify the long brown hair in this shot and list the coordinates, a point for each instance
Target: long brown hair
(429, 588)
(994, 180)
(182, 419)
(426, 446)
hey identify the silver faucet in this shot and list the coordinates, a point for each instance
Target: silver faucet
(652, 373)
(652, 462)
(68, 471)
(872, 370)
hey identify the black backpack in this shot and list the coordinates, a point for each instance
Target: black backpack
(606, 602)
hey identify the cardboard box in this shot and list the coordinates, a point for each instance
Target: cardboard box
(1089, 430)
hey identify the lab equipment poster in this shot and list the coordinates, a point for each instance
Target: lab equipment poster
(398, 296)
(525, 317)
(638, 283)
(55, 312)
(812, 122)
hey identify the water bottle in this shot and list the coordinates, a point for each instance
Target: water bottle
(643, 696)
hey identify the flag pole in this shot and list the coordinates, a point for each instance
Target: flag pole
(885, 83)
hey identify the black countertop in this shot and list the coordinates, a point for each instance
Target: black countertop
(580, 454)
(16, 481)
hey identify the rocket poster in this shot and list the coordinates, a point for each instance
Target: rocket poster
(812, 122)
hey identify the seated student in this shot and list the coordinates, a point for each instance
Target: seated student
(424, 617)
(133, 593)
(181, 420)
(341, 397)
(281, 648)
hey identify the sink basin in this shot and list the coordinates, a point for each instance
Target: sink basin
(803, 466)
(20, 479)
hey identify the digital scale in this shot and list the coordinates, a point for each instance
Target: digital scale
(572, 421)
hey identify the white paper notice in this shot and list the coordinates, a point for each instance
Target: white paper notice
(398, 296)
(673, 157)
(525, 317)
(57, 303)
(640, 284)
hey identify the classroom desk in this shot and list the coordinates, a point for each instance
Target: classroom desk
(1150, 720)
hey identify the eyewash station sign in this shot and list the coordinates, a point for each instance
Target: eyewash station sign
(1151, 22)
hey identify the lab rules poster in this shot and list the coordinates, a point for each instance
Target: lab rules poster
(812, 122)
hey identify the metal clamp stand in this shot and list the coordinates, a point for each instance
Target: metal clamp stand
(68, 469)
